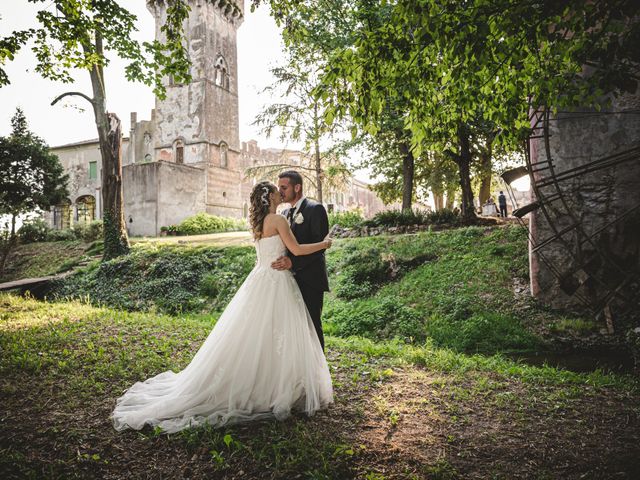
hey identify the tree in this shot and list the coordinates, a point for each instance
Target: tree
(314, 31)
(390, 157)
(439, 174)
(30, 177)
(461, 65)
(80, 35)
(299, 116)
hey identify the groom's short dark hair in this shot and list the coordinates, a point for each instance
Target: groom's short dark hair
(294, 177)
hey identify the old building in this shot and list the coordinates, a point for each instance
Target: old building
(352, 194)
(186, 158)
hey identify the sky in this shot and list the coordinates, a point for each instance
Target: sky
(259, 49)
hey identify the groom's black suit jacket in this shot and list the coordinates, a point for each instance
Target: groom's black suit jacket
(310, 269)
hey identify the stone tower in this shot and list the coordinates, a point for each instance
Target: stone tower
(197, 123)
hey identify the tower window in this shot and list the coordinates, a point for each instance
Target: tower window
(224, 149)
(222, 72)
(179, 151)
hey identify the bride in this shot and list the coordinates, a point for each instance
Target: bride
(261, 359)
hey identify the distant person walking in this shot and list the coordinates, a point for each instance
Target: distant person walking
(502, 202)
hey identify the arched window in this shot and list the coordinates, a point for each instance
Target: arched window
(178, 148)
(62, 215)
(222, 72)
(224, 155)
(86, 209)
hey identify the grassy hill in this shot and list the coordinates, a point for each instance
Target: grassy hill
(46, 258)
(464, 289)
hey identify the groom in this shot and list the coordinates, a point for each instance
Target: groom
(309, 224)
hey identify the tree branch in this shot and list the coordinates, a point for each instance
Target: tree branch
(79, 94)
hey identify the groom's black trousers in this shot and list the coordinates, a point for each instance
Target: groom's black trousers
(313, 299)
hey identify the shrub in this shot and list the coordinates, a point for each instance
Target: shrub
(35, 230)
(360, 273)
(384, 319)
(397, 218)
(169, 229)
(61, 235)
(88, 232)
(352, 219)
(400, 218)
(221, 286)
(168, 278)
(444, 216)
(202, 223)
(484, 332)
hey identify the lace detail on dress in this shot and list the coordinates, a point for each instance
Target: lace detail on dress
(268, 250)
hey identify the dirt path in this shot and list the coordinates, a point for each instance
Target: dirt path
(211, 239)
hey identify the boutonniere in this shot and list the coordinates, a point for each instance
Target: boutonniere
(298, 218)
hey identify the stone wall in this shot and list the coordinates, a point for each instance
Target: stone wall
(596, 201)
(225, 196)
(160, 194)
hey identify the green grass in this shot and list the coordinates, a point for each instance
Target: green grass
(461, 290)
(40, 259)
(577, 325)
(64, 363)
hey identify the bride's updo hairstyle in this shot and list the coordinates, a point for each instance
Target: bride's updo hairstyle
(260, 206)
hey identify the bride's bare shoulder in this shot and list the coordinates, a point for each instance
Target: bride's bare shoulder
(271, 224)
(274, 218)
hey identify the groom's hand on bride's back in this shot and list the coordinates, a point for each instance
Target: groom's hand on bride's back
(281, 263)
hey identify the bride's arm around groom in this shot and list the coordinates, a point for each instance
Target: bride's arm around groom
(299, 250)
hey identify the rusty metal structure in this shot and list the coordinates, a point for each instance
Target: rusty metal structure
(574, 250)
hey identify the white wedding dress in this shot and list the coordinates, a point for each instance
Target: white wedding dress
(261, 359)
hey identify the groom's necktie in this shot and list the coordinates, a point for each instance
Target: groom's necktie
(290, 215)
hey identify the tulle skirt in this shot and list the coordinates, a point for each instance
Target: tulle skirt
(262, 359)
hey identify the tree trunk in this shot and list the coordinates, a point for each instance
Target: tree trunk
(451, 196)
(438, 200)
(463, 159)
(316, 142)
(11, 242)
(408, 166)
(485, 172)
(116, 242)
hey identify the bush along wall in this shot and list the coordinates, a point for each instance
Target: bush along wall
(203, 223)
(37, 230)
(348, 225)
